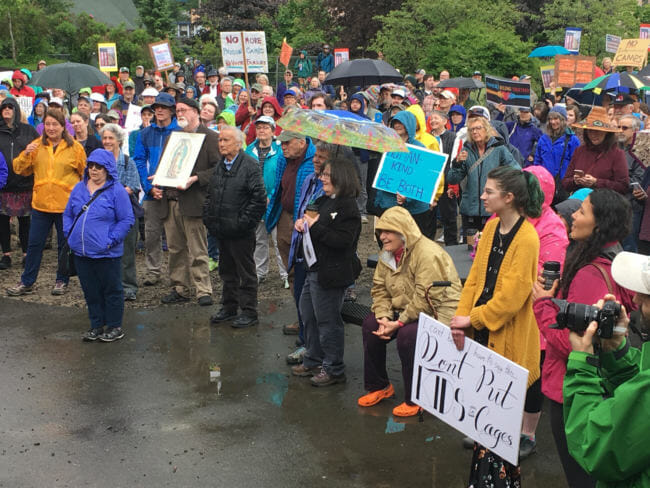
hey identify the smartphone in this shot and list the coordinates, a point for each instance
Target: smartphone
(635, 185)
(578, 172)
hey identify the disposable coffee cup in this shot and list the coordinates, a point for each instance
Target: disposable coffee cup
(312, 211)
(470, 236)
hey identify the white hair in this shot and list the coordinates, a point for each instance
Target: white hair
(115, 129)
(239, 135)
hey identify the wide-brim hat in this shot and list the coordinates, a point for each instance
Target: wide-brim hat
(597, 120)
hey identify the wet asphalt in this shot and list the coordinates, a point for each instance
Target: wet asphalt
(181, 403)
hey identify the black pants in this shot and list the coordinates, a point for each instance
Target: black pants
(238, 273)
(576, 476)
(5, 232)
(473, 223)
(448, 211)
(426, 223)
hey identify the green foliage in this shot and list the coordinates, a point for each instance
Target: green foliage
(158, 17)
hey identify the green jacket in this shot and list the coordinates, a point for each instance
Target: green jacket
(607, 416)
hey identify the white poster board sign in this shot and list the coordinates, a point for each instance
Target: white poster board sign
(26, 105)
(476, 391)
(133, 119)
(233, 56)
(178, 159)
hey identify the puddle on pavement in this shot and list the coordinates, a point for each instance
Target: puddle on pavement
(279, 384)
(393, 427)
(215, 376)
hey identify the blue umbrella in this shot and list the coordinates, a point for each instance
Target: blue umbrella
(548, 51)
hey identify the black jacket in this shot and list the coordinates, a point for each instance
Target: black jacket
(335, 236)
(236, 199)
(12, 142)
(91, 144)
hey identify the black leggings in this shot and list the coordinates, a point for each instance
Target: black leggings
(5, 232)
(534, 397)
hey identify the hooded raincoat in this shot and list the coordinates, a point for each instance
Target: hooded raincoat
(421, 134)
(12, 141)
(101, 229)
(402, 287)
(34, 120)
(461, 110)
(252, 130)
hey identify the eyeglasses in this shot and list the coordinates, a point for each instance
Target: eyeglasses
(625, 127)
(476, 129)
(99, 126)
(182, 110)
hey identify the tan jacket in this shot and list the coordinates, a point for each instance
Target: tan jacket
(402, 287)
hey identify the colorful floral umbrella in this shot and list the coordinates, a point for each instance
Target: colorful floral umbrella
(343, 128)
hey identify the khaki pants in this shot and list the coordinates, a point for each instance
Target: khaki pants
(153, 227)
(262, 251)
(285, 229)
(188, 253)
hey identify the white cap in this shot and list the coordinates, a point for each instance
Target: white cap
(632, 271)
(479, 108)
(149, 92)
(399, 92)
(56, 100)
(265, 119)
(96, 97)
(448, 95)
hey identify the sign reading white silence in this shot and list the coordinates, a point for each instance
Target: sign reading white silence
(476, 390)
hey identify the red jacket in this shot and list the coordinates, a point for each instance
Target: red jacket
(610, 168)
(588, 286)
(25, 91)
(252, 132)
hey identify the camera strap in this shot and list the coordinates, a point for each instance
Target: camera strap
(606, 277)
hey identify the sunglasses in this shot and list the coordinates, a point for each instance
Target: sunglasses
(92, 165)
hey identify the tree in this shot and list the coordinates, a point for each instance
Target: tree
(225, 15)
(158, 17)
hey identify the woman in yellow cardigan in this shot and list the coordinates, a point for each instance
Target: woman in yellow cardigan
(496, 305)
(57, 162)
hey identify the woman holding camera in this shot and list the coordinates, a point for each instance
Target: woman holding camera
(602, 221)
(496, 304)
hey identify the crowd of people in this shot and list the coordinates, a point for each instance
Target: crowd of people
(553, 182)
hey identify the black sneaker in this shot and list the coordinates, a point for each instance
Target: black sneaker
(223, 315)
(112, 334)
(244, 321)
(205, 301)
(174, 297)
(5, 262)
(93, 334)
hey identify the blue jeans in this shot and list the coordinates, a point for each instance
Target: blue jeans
(101, 281)
(213, 247)
(38, 231)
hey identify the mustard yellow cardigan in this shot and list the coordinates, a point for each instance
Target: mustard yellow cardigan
(509, 313)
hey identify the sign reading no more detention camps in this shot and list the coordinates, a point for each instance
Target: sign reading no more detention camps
(415, 174)
(476, 391)
(233, 55)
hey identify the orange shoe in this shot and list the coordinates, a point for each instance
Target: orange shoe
(374, 397)
(406, 410)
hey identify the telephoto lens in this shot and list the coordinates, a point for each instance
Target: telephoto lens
(550, 273)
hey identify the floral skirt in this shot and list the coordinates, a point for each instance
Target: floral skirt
(16, 204)
(490, 471)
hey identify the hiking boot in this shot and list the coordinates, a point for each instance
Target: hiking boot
(527, 446)
(111, 335)
(19, 290)
(296, 356)
(223, 315)
(150, 281)
(174, 297)
(59, 288)
(374, 397)
(244, 321)
(291, 329)
(304, 371)
(406, 410)
(325, 379)
(93, 334)
(205, 301)
(5, 262)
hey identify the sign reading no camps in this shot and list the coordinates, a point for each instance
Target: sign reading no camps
(232, 51)
(414, 174)
(508, 92)
(476, 390)
(632, 52)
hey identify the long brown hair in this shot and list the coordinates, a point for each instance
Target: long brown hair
(58, 116)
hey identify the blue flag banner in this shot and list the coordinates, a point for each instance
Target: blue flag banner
(415, 174)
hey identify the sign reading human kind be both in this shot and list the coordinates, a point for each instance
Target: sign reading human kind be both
(415, 174)
(476, 391)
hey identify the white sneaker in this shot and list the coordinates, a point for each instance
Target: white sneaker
(286, 283)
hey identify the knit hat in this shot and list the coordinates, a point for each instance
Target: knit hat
(559, 109)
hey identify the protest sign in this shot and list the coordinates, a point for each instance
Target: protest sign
(644, 31)
(161, 53)
(570, 70)
(133, 119)
(476, 391)
(233, 54)
(26, 105)
(510, 93)
(414, 174)
(107, 56)
(572, 37)
(632, 52)
(611, 43)
(341, 55)
(548, 75)
(178, 159)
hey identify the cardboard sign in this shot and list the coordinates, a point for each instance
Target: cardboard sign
(476, 391)
(178, 159)
(232, 51)
(107, 56)
(510, 93)
(26, 105)
(570, 70)
(611, 43)
(414, 174)
(161, 53)
(572, 36)
(632, 52)
(341, 55)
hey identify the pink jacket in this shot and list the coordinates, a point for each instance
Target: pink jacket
(588, 286)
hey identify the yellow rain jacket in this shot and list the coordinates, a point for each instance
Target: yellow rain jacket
(429, 141)
(55, 173)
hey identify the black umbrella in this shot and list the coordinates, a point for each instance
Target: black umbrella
(461, 82)
(70, 77)
(363, 72)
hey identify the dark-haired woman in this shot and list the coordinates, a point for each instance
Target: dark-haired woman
(82, 132)
(334, 232)
(496, 304)
(57, 162)
(598, 163)
(601, 222)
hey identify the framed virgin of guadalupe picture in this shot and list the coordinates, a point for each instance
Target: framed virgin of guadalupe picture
(178, 158)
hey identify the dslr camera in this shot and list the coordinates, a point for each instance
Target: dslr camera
(577, 317)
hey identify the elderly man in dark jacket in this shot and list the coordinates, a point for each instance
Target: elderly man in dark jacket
(235, 204)
(182, 210)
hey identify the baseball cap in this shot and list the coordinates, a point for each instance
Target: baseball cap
(124, 69)
(448, 95)
(213, 72)
(42, 61)
(113, 114)
(96, 97)
(265, 119)
(524, 109)
(476, 73)
(623, 99)
(164, 100)
(399, 92)
(287, 135)
(150, 92)
(139, 67)
(257, 87)
(190, 102)
(56, 101)
(422, 72)
(128, 84)
(478, 111)
(632, 271)
(147, 107)
(524, 77)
